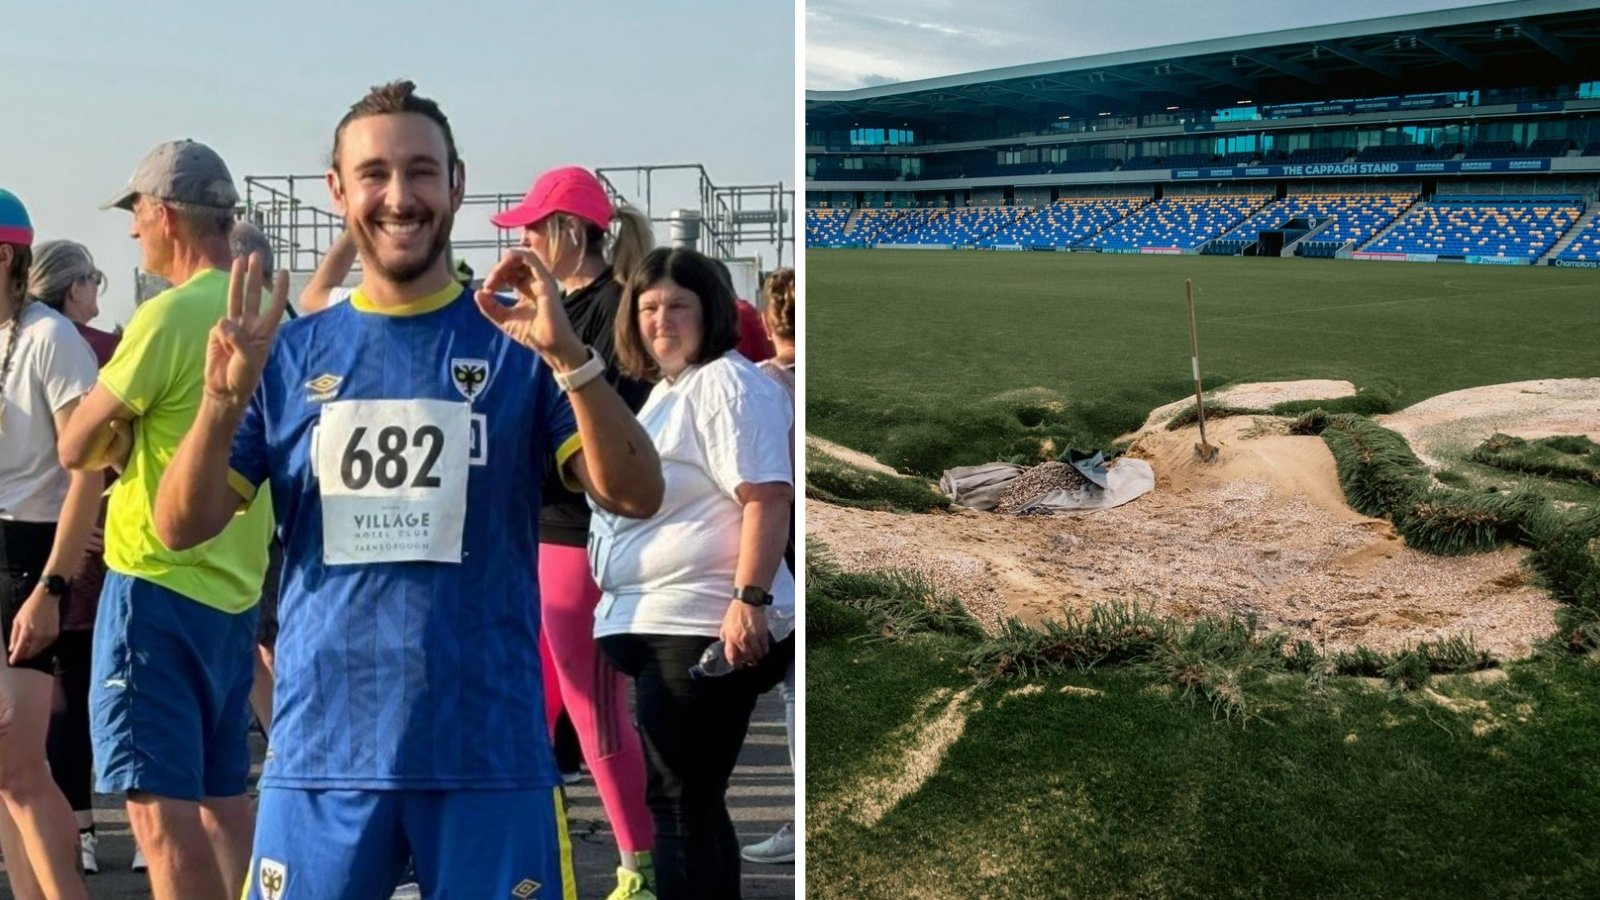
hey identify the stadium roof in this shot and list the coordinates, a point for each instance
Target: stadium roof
(1496, 45)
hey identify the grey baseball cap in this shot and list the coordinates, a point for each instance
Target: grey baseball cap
(180, 172)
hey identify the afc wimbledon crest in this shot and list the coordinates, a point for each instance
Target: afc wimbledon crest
(273, 875)
(469, 376)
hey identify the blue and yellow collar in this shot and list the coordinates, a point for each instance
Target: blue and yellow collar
(421, 306)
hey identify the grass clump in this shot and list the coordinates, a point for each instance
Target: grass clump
(1190, 414)
(1216, 660)
(1377, 470)
(1452, 523)
(890, 604)
(1568, 457)
(839, 482)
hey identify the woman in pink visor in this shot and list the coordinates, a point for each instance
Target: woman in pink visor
(567, 219)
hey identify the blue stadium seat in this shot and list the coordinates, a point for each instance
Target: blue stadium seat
(1064, 223)
(1516, 230)
(1182, 222)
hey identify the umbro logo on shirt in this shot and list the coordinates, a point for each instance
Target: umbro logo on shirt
(525, 889)
(323, 387)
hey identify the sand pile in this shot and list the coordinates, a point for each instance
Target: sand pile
(1264, 531)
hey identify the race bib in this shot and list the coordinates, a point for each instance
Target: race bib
(393, 479)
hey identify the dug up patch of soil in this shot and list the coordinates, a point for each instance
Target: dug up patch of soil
(1265, 530)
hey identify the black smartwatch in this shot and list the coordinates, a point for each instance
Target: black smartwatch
(752, 595)
(55, 586)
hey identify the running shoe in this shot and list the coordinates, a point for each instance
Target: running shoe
(776, 849)
(88, 845)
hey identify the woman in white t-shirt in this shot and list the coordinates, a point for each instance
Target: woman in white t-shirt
(45, 518)
(707, 567)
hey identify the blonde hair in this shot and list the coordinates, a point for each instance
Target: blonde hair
(778, 293)
(57, 266)
(623, 248)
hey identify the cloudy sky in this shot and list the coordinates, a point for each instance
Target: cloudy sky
(856, 43)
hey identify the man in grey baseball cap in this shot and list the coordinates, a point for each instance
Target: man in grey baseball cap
(171, 684)
(186, 172)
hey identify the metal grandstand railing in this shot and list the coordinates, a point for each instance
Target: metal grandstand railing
(291, 211)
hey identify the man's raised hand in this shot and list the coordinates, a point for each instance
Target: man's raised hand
(237, 351)
(538, 321)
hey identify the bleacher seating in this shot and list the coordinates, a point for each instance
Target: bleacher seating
(1592, 148)
(942, 170)
(1242, 158)
(1520, 230)
(1086, 165)
(1492, 150)
(1187, 161)
(959, 226)
(1395, 153)
(1064, 223)
(1356, 217)
(842, 174)
(825, 227)
(990, 169)
(888, 226)
(1586, 245)
(1141, 163)
(1547, 147)
(1183, 222)
(1314, 155)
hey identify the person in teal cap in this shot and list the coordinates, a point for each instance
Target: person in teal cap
(45, 518)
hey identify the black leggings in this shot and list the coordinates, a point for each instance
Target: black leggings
(693, 731)
(69, 749)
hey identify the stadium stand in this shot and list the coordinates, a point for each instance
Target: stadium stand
(1491, 150)
(825, 227)
(1372, 153)
(1087, 165)
(1519, 230)
(1547, 147)
(1316, 155)
(1182, 222)
(1139, 163)
(961, 227)
(1356, 217)
(1395, 153)
(1585, 245)
(1064, 223)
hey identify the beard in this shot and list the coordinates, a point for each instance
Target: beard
(405, 270)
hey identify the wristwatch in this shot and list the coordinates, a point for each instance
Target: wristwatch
(582, 375)
(753, 595)
(55, 585)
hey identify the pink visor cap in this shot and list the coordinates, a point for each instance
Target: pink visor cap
(570, 189)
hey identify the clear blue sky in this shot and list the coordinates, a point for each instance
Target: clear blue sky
(87, 87)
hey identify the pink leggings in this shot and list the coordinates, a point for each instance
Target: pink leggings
(594, 693)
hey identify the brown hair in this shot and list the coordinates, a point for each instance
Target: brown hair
(392, 99)
(17, 278)
(779, 295)
(695, 273)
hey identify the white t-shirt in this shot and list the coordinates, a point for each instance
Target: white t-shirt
(339, 295)
(718, 426)
(51, 366)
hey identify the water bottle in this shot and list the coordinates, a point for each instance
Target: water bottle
(713, 663)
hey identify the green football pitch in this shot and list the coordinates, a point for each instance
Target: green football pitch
(934, 358)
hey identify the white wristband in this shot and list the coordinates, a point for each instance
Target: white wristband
(582, 375)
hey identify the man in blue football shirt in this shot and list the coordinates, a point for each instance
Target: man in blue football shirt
(402, 435)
